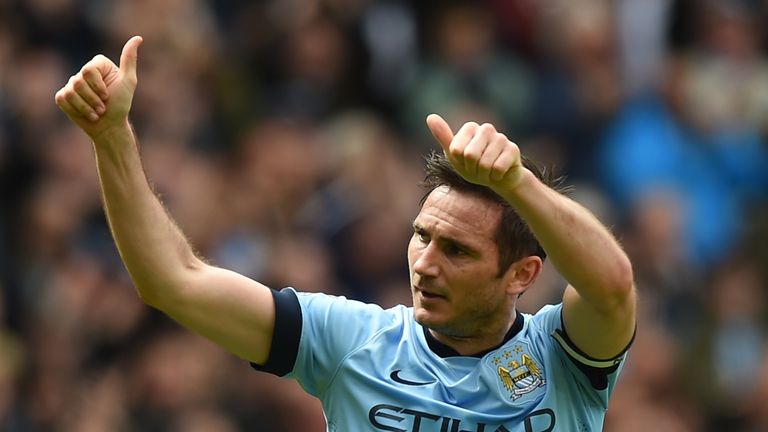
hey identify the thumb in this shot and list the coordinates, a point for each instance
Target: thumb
(440, 130)
(130, 56)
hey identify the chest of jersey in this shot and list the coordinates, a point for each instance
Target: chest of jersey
(406, 387)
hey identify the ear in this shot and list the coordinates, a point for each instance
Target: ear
(522, 274)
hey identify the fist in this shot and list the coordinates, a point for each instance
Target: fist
(479, 153)
(99, 96)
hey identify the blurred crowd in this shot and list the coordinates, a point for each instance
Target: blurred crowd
(286, 139)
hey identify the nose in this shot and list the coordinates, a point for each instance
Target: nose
(426, 263)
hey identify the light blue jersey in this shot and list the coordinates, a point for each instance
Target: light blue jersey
(379, 370)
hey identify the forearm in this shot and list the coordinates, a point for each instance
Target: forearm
(230, 309)
(581, 248)
(153, 249)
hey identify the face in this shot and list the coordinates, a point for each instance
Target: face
(454, 265)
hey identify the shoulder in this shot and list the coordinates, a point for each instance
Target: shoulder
(546, 320)
(342, 303)
(348, 314)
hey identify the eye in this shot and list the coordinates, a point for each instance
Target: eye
(421, 234)
(455, 250)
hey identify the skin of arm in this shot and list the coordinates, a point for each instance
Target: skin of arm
(599, 304)
(230, 309)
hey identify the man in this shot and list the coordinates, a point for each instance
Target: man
(462, 359)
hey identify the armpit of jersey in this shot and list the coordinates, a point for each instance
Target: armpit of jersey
(286, 336)
(596, 370)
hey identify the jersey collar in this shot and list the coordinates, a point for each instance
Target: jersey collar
(444, 350)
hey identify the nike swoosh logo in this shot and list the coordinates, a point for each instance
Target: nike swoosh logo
(395, 375)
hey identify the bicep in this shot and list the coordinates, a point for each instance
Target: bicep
(599, 333)
(228, 308)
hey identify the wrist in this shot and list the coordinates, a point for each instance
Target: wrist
(111, 134)
(513, 186)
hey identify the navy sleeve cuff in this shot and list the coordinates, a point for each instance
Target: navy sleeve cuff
(286, 336)
(596, 370)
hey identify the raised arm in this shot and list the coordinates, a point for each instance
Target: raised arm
(230, 309)
(599, 305)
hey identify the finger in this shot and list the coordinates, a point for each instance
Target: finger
(476, 146)
(95, 81)
(491, 153)
(67, 107)
(507, 160)
(129, 57)
(440, 130)
(103, 66)
(460, 142)
(83, 88)
(79, 105)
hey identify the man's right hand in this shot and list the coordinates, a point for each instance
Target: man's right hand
(98, 98)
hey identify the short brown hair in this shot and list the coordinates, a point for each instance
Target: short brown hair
(514, 238)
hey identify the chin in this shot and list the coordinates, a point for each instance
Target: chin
(427, 318)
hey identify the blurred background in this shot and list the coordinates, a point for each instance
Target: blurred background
(286, 138)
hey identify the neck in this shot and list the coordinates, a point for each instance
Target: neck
(489, 337)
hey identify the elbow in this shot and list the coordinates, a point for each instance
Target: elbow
(627, 275)
(617, 286)
(162, 291)
(624, 280)
(618, 293)
(150, 293)
(146, 296)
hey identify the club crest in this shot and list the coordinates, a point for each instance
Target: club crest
(518, 372)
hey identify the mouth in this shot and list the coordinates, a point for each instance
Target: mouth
(428, 295)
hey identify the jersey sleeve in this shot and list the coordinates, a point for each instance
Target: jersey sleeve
(315, 332)
(598, 375)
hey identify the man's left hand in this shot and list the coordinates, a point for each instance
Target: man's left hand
(479, 153)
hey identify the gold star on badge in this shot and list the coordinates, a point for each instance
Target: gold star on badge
(496, 361)
(518, 349)
(506, 354)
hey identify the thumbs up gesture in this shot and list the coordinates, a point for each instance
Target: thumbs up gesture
(99, 96)
(480, 153)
